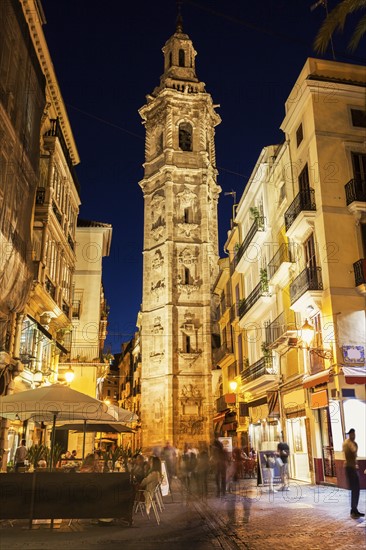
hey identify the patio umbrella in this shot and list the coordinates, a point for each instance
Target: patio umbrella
(51, 403)
(122, 415)
(111, 427)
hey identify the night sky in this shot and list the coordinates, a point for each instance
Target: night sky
(107, 56)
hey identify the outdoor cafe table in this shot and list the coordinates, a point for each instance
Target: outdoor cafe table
(56, 494)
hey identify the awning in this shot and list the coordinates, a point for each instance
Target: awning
(354, 375)
(316, 379)
(319, 399)
(219, 416)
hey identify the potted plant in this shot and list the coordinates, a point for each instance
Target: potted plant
(263, 275)
(35, 453)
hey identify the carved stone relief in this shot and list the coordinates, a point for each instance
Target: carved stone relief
(157, 353)
(157, 215)
(158, 260)
(158, 288)
(191, 421)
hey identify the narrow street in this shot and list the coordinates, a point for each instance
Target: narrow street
(306, 517)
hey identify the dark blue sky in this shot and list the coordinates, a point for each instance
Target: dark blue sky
(107, 56)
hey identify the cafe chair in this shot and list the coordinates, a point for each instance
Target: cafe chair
(145, 502)
(159, 497)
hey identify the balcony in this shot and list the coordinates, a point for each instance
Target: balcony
(308, 285)
(282, 331)
(56, 131)
(57, 213)
(222, 352)
(223, 402)
(241, 258)
(50, 288)
(278, 266)
(299, 217)
(356, 195)
(260, 373)
(260, 297)
(359, 269)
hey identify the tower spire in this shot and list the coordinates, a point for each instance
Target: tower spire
(179, 23)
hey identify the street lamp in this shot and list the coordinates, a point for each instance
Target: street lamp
(307, 333)
(69, 375)
(307, 336)
(233, 385)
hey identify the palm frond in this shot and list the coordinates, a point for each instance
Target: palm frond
(358, 34)
(335, 21)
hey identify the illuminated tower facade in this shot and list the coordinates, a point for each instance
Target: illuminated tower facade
(180, 252)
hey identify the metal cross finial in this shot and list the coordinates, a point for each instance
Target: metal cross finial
(179, 25)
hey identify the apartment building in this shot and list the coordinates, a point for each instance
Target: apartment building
(297, 248)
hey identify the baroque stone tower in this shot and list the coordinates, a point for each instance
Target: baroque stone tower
(180, 252)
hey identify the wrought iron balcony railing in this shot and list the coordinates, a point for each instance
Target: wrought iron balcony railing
(222, 351)
(355, 191)
(359, 269)
(284, 323)
(257, 225)
(304, 201)
(285, 253)
(309, 279)
(260, 368)
(260, 290)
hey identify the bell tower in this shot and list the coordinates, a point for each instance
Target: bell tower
(180, 252)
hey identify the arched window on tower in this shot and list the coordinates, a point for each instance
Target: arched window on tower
(185, 136)
(170, 59)
(181, 58)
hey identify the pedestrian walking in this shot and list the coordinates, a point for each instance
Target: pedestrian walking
(188, 463)
(283, 453)
(219, 461)
(169, 454)
(202, 471)
(350, 449)
(270, 459)
(20, 455)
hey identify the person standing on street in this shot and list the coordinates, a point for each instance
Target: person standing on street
(350, 449)
(20, 455)
(283, 452)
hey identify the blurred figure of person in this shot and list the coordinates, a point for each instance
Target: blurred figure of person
(68, 455)
(283, 453)
(219, 461)
(151, 481)
(202, 471)
(169, 454)
(238, 456)
(188, 463)
(350, 449)
(139, 468)
(20, 455)
(270, 464)
(73, 454)
(90, 464)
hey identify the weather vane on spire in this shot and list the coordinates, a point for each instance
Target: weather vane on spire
(179, 26)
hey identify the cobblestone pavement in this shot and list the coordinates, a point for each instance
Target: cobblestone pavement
(306, 517)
